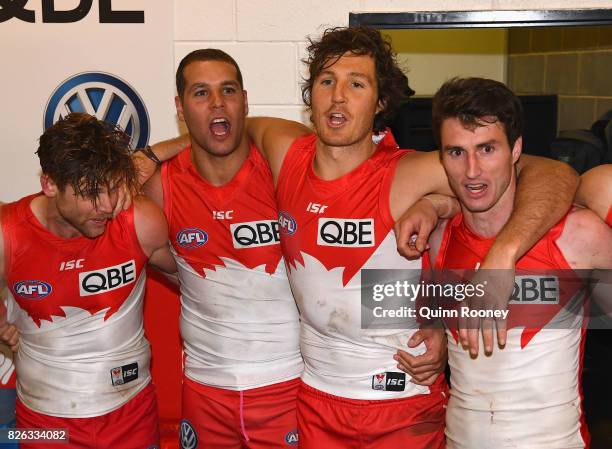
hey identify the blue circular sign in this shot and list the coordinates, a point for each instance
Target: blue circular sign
(105, 96)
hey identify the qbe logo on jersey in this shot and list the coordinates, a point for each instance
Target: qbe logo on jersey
(535, 289)
(106, 97)
(107, 279)
(255, 233)
(345, 232)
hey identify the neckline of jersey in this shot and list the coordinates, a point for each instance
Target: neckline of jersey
(225, 193)
(50, 236)
(368, 166)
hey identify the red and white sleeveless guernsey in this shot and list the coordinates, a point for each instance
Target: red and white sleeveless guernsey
(526, 395)
(330, 230)
(239, 321)
(77, 303)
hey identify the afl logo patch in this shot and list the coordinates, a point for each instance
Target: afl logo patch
(188, 436)
(287, 223)
(34, 290)
(191, 238)
(105, 96)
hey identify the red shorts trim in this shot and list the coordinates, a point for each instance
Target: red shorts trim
(333, 422)
(134, 425)
(259, 418)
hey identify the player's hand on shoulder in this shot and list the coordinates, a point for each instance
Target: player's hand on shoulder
(413, 228)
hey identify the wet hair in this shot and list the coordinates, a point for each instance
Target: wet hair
(206, 54)
(88, 154)
(392, 84)
(477, 102)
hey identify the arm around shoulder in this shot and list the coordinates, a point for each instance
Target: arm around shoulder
(274, 136)
(544, 194)
(417, 174)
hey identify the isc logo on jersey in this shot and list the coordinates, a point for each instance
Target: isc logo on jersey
(191, 238)
(255, 233)
(389, 381)
(287, 223)
(345, 232)
(32, 289)
(107, 279)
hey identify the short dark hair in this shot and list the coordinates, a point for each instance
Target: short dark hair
(477, 102)
(205, 54)
(392, 84)
(87, 154)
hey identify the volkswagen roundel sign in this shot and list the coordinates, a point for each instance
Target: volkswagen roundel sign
(105, 96)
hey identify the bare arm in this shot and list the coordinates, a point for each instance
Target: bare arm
(154, 191)
(417, 174)
(595, 190)
(586, 242)
(152, 232)
(544, 194)
(273, 137)
(167, 149)
(164, 150)
(416, 224)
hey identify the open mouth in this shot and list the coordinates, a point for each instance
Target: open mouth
(336, 119)
(220, 127)
(476, 189)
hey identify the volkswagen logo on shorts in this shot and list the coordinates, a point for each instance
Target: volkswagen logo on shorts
(104, 96)
(189, 439)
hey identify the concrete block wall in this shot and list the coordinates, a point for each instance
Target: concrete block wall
(572, 62)
(268, 37)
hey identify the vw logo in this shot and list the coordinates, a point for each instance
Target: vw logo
(188, 436)
(106, 97)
